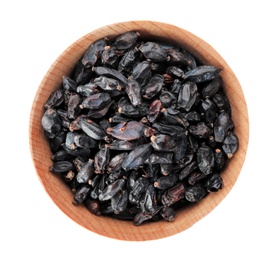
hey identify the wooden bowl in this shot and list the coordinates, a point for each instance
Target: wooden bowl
(60, 193)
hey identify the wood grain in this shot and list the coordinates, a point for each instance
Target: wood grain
(41, 154)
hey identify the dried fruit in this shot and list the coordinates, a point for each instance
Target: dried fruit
(140, 129)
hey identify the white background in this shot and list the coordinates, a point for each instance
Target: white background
(34, 33)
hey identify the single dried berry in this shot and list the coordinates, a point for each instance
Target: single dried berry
(230, 144)
(107, 84)
(116, 162)
(137, 157)
(160, 158)
(85, 172)
(61, 167)
(187, 95)
(201, 130)
(173, 195)
(84, 141)
(205, 159)
(101, 160)
(109, 56)
(167, 213)
(93, 206)
(212, 88)
(181, 58)
(73, 106)
(154, 110)
(119, 201)
(109, 72)
(214, 183)
(163, 142)
(55, 99)
(92, 129)
(219, 160)
(96, 101)
(153, 51)
(81, 194)
(221, 126)
(167, 98)
(128, 60)
(126, 40)
(137, 190)
(208, 111)
(133, 90)
(202, 73)
(69, 84)
(187, 170)
(127, 131)
(153, 87)
(51, 123)
(93, 52)
(142, 72)
(195, 193)
(111, 190)
(99, 113)
(166, 182)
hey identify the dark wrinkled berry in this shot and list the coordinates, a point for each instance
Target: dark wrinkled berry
(167, 213)
(55, 99)
(201, 130)
(214, 183)
(126, 40)
(187, 95)
(138, 189)
(109, 72)
(166, 182)
(119, 201)
(153, 51)
(116, 162)
(61, 166)
(163, 142)
(137, 157)
(133, 90)
(154, 110)
(195, 193)
(69, 84)
(101, 160)
(209, 90)
(142, 72)
(202, 73)
(205, 159)
(85, 172)
(111, 190)
(96, 101)
(127, 131)
(92, 129)
(51, 123)
(173, 195)
(93, 52)
(81, 194)
(219, 160)
(230, 144)
(153, 87)
(187, 170)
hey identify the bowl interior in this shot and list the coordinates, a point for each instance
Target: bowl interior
(41, 153)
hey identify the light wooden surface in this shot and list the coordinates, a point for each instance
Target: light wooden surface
(62, 196)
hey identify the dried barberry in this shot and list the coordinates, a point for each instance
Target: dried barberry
(139, 129)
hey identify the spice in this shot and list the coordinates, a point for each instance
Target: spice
(139, 129)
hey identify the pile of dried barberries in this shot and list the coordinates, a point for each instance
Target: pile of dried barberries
(139, 129)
